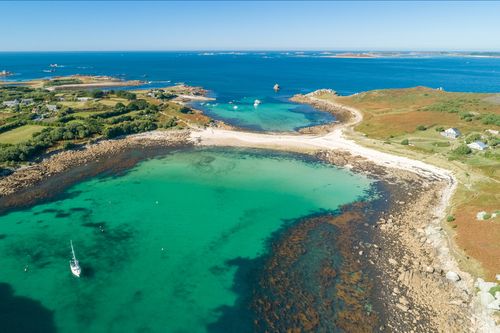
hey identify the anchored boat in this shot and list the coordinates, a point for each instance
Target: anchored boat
(73, 263)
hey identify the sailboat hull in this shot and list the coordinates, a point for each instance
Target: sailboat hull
(75, 269)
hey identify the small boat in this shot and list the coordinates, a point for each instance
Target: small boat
(256, 103)
(54, 65)
(49, 70)
(235, 107)
(276, 87)
(73, 263)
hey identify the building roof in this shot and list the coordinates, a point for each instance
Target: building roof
(453, 129)
(479, 144)
(11, 103)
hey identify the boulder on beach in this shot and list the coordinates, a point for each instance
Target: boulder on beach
(452, 276)
(481, 216)
(486, 298)
(495, 305)
(484, 286)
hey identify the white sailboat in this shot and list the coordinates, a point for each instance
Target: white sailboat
(73, 263)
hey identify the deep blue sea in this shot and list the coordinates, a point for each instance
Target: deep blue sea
(236, 79)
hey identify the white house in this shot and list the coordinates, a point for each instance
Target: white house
(83, 99)
(492, 131)
(51, 107)
(27, 101)
(477, 145)
(451, 133)
(11, 104)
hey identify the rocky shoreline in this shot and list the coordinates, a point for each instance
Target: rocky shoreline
(54, 173)
(415, 291)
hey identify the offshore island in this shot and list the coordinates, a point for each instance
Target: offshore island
(411, 257)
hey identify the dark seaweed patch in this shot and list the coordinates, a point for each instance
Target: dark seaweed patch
(2, 236)
(38, 251)
(47, 211)
(245, 221)
(79, 209)
(309, 280)
(239, 317)
(96, 225)
(22, 314)
(111, 249)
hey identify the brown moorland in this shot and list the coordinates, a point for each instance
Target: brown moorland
(409, 121)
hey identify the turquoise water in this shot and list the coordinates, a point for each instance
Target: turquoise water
(154, 243)
(269, 115)
(238, 75)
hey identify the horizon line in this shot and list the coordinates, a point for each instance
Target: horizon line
(259, 50)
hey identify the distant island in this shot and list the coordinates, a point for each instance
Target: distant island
(75, 82)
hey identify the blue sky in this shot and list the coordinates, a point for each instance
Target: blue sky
(245, 25)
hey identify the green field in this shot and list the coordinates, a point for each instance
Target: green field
(20, 134)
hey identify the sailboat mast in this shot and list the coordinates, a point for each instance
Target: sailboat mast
(72, 250)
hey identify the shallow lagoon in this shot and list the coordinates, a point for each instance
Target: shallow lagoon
(155, 242)
(271, 114)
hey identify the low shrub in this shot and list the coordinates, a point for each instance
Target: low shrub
(462, 150)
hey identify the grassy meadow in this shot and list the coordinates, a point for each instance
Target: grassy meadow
(20, 134)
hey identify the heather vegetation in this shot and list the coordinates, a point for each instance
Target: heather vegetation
(420, 123)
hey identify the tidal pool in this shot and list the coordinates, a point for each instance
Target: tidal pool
(155, 242)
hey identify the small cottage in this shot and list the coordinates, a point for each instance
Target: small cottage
(477, 145)
(27, 101)
(51, 107)
(451, 133)
(492, 131)
(11, 104)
